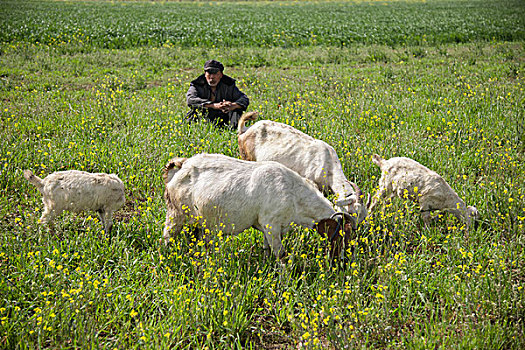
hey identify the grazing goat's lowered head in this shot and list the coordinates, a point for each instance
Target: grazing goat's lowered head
(338, 230)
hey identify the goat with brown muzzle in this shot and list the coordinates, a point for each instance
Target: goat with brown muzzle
(233, 195)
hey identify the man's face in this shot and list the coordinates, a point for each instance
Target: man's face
(213, 78)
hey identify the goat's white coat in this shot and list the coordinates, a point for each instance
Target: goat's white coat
(76, 191)
(233, 195)
(312, 158)
(401, 176)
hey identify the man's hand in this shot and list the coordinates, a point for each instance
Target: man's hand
(224, 106)
(227, 106)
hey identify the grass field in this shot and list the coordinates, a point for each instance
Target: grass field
(100, 86)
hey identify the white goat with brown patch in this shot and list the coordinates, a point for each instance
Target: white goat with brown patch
(232, 195)
(76, 191)
(405, 177)
(311, 158)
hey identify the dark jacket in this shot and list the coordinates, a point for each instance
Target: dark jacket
(199, 93)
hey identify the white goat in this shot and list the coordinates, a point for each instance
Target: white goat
(311, 158)
(233, 195)
(76, 191)
(405, 177)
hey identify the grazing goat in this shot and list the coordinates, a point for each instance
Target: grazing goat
(76, 191)
(405, 177)
(311, 158)
(233, 195)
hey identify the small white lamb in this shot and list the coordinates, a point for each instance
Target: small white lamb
(76, 191)
(405, 177)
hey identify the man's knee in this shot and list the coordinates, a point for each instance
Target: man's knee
(191, 116)
(220, 119)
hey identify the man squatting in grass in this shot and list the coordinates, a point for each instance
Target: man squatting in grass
(215, 97)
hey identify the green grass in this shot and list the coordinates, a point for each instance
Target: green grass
(77, 25)
(116, 104)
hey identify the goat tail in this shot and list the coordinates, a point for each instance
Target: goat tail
(34, 180)
(377, 160)
(241, 129)
(171, 168)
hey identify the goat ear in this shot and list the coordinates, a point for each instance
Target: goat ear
(351, 219)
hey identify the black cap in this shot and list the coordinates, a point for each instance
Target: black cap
(213, 66)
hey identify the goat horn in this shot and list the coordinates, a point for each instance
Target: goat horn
(337, 214)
